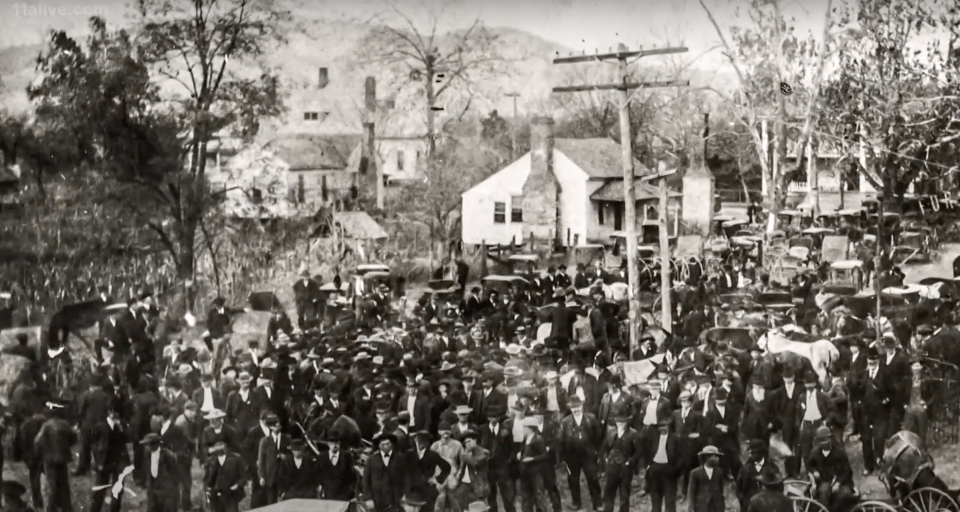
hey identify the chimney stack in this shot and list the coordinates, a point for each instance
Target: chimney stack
(323, 78)
(541, 192)
(368, 158)
(370, 95)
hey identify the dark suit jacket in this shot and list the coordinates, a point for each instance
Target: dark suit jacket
(385, 484)
(420, 420)
(338, 480)
(770, 501)
(110, 446)
(299, 482)
(833, 466)
(500, 446)
(268, 458)
(421, 470)
(663, 408)
(497, 399)
(168, 472)
(582, 440)
(221, 479)
(306, 292)
(705, 494)
(747, 484)
(652, 444)
(245, 413)
(94, 406)
(57, 437)
(561, 397)
(218, 324)
(227, 434)
(174, 439)
(621, 453)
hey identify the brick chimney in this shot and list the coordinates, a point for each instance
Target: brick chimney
(323, 78)
(369, 133)
(541, 192)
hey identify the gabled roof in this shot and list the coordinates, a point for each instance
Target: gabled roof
(600, 158)
(316, 152)
(613, 191)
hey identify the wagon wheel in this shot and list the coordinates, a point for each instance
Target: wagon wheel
(928, 499)
(873, 506)
(802, 504)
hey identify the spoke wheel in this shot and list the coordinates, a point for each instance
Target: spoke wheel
(801, 504)
(928, 499)
(874, 506)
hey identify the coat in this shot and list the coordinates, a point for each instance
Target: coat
(55, 439)
(475, 463)
(499, 445)
(225, 481)
(705, 494)
(245, 413)
(299, 483)
(110, 447)
(385, 483)
(747, 484)
(420, 419)
(218, 401)
(769, 500)
(268, 458)
(163, 489)
(338, 481)
(582, 440)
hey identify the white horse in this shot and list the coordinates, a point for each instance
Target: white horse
(820, 353)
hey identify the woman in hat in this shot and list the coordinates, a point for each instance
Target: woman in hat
(705, 489)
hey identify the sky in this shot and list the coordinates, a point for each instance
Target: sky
(582, 26)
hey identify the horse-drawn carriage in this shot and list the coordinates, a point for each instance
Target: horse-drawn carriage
(846, 273)
(912, 247)
(907, 471)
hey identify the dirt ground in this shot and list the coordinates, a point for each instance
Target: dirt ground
(948, 468)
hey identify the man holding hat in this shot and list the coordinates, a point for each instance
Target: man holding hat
(300, 473)
(161, 476)
(223, 478)
(771, 497)
(830, 469)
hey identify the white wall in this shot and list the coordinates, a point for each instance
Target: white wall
(389, 152)
(478, 205)
(575, 193)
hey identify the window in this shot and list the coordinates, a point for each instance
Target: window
(324, 191)
(618, 216)
(400, 161)
(300, 190)
(311, 116)
(516, 209)
(600, 208)
(256, 195)
(499, 213)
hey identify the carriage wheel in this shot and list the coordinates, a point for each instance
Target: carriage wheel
(873, 506)
(802, 504)
(928, 499)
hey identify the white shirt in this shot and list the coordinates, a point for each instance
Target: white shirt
(495, 429)
(207, 399)
(709, 472)
(421, 452)
(661, 456)
(552, 403)
(615, 396)
(154, 463)
(163, 428)
(297, 461)
(244, 394)
(890, 357)
(758, 465)
(789, 387)
(650, 415)
(221, 459)
(411, 400)
(578, 418)
(813, 409)
(334, 457)
(386, 459)
(268, 391)
(873, 372)
(722, 410)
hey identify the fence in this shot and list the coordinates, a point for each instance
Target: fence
(738, 196)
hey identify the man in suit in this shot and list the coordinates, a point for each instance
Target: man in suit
(614, 400)
(384, 476)
(223, 478)
(878, 390)
(857, 367)
(815, 410)
(621, 454)
(306, 293)
(242, 405)
(189, 424)
(654, 408)
(831, 472)
(723, 433)
(93, 408)
(662, 459)
(496, 439)
(218, 320)
(490, 398)
(250, 453)
(534, 461)
(217, 431)
(553, 396)
(580, 438)
(748, 483)
(207, 396)
(162, 474)
(416, 401)
(470, 305)
(55, 441)
(426, 469)
(175, 439)
(787, 401)
(705, 491)
(562, 319)
(771, 497)
(271, 448)
(109, 455)
(897, 367)
(337, 476)
(300, 474)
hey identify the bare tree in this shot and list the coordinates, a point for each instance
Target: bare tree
(434, 63)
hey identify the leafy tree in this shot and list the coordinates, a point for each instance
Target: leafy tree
(764, 54)
(153, 141)
(434, 64)
(892, 105)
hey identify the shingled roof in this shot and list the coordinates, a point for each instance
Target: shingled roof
(600, 158)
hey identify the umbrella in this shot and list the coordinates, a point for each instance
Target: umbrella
(348, 430)
(306, 506)
(263, 301)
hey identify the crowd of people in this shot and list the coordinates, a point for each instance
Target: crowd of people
(460, 407)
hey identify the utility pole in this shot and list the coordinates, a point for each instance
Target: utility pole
(626, 143)
(666, 281)
(513, 124)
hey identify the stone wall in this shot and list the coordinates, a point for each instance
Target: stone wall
(541, 191)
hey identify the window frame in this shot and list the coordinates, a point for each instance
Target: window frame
(499, 217)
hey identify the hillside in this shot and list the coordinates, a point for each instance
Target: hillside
(523, 65)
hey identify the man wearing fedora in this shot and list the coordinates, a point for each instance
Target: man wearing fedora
(243, 405)
(306, 293)
(55, 440)
(336, 471)
(705, 490)
(580, 438)
(497, 440)
(621, 454)
(384, 476)
(271, 448)
(162, 473)
(771, 497)
(224, 478)
(747, 484)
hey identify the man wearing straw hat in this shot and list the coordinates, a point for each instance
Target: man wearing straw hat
(705, 490)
